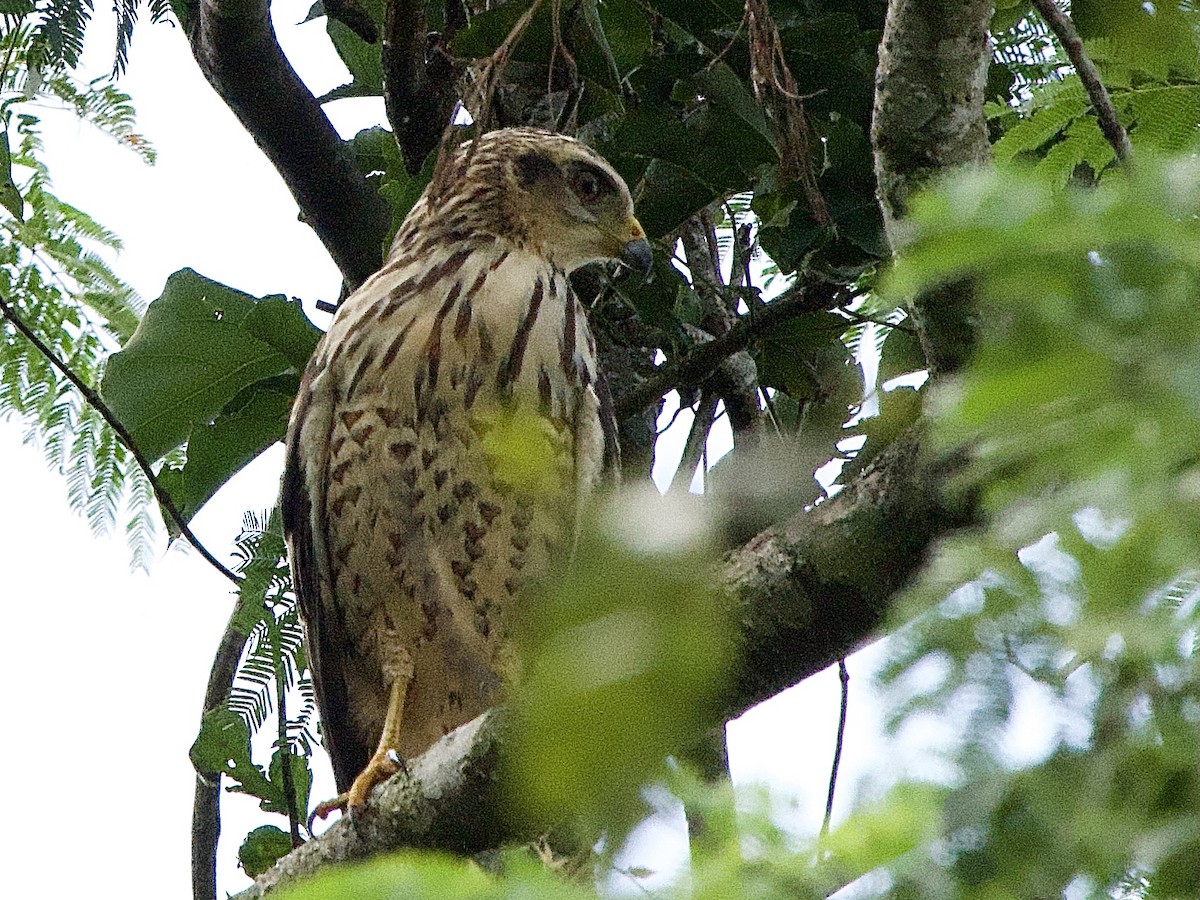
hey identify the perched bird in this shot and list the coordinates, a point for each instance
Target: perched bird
(446, 431)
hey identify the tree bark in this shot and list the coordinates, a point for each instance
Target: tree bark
(418, 82)
(929, 93)
(446, 800)
(234, 44)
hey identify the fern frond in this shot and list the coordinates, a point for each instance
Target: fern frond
(102, 105)
(1083, 143)
(1056, 108)
(57, 40)
(141, 511)
(1165, 117)
(275, 654)
(127, 13)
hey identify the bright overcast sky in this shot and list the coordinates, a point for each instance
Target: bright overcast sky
(106, 668)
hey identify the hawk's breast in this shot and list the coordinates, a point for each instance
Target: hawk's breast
(449, 429)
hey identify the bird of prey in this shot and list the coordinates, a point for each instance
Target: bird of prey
(446, 430)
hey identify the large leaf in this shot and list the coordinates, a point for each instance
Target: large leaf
(627, 32)
(701, 19)
(252, 422)
(363, 60)
(281, 323)
(199, 345)
(223, 745)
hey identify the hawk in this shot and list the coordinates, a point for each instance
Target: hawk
(445, 432)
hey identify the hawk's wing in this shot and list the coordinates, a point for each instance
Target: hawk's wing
(303, 506)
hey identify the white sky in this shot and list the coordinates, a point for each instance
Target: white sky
(94, 760)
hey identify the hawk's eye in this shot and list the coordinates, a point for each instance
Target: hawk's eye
(589, 183)
(587, 186)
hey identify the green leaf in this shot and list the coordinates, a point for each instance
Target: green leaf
(721, 85)
(282, 324)
(700, 19)
(365, 61)
(595, 57)
(1041, 125)
(628, 34)
(301, 781)
(379, 157)
(402, 191)
(410, 874)
(906, 818)
(1083, 144)
(223, 745)
(262, 848)
(252, 422)
(902, 353)
(787, 357)
(197, 347)
(1165, 118)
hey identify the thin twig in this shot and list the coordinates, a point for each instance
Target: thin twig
(844, 675)
(697, 440)
(285, 746)
(704, 359)
(94, 400)
(659, 432)
(206, 802)
(1106, 113)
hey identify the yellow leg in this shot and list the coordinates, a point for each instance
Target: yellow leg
(384, 763)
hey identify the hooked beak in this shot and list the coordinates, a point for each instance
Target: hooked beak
(637, 254)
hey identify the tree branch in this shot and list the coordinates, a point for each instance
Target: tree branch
(704, 359)
(697, 439)
(928, 119)
(234, 44)
(446, 800)
(418, 81)
(1106, 113)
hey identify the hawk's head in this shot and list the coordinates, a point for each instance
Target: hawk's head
(552, 194)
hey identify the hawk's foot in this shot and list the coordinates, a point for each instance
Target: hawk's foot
(382, 766)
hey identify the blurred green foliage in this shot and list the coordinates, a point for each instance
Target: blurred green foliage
(1082, 415)
(621, 658)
